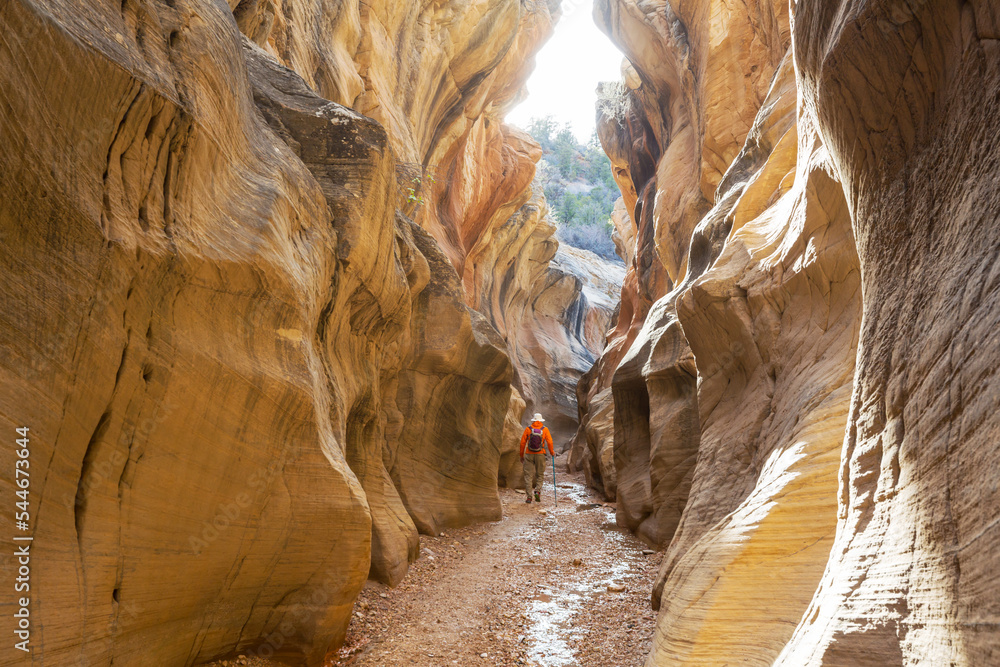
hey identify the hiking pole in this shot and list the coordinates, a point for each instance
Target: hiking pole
(554, 496)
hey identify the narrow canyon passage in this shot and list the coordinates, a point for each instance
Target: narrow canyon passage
(284, 283)
(548, 585)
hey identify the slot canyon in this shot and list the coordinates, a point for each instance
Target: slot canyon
(282, 290)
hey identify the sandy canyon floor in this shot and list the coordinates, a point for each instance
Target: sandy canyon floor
(550, 585)
(541, 587)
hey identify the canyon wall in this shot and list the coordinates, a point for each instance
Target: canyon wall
(553, 304)
(592, 447)
(793, 400)
(439, 78)
(239, 322)
(908, 102)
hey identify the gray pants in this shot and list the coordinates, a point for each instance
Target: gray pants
(534, 471)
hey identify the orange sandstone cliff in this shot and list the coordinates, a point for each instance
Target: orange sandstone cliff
(439, 78)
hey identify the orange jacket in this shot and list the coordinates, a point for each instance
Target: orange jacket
(546, 438)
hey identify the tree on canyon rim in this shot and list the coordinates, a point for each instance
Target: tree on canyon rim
(578, 185)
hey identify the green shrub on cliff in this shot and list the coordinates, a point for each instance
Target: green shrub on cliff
(577, 182)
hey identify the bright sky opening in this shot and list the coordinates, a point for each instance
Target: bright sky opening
(567, 70)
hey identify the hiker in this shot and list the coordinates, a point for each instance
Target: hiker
(534, 440)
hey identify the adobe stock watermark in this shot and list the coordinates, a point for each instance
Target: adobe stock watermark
(22, 541)
(22, 550)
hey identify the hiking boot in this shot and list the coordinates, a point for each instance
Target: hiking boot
(538, 496)
(528, 499)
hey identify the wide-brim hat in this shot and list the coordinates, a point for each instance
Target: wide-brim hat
(537, 417)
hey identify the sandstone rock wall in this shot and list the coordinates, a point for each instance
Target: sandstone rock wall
(439, 78)
(554, 305)
(511, 473)
(249, 379)
(773, 327)
(453, 396)
(912, 576)
(592, 448)
(170, 260)
(573, 310)
(790, 379)
(668, 147)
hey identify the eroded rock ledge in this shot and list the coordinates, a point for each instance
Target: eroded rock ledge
(790, 403)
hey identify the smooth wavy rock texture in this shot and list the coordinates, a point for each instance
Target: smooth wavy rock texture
(795, 390)
(909, 104)
(439, 78)
(554, 305)
(239, 322)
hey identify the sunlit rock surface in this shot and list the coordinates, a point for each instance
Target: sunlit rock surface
(665, 148)
(913, 574)
(439, 78)
(822, 489)
(170, 262)
(249, 378)
(773, 326)
(731, 397)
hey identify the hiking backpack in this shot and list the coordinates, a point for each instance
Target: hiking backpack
(535, 440)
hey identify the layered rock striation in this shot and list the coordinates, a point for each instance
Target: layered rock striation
(240, 330)
(789, 403)
(554, 305)
(912, 575)
(439, 78)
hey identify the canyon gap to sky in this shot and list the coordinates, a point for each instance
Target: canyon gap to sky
(567, 70)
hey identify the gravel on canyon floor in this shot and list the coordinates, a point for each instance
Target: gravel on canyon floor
(547, 586)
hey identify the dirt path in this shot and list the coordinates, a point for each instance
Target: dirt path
(540, 587)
